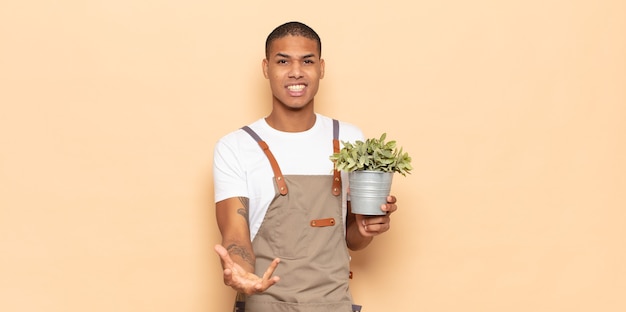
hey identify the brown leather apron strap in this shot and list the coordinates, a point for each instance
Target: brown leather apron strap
(278, 175)
(336, 186)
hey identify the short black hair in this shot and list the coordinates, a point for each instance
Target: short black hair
(293, 29)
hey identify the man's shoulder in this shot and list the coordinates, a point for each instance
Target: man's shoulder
(347, 131)
(328, 120)
(238, 134)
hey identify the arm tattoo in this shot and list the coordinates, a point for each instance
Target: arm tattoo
(245, 210)
(235, 249)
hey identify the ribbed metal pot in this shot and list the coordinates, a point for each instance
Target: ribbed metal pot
(369, 190)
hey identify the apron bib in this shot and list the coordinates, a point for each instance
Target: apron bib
(303, 226)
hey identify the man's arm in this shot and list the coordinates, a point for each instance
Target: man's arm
(236, 251)
(233, 223)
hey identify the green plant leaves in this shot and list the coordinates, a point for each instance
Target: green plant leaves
(373, 154)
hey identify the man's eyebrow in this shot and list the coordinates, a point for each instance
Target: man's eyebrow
(279, 54)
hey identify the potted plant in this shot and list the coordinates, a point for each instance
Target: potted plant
(370, 166)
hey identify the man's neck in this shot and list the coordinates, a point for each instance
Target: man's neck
(291, 121)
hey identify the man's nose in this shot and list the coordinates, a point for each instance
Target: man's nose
(295, 71)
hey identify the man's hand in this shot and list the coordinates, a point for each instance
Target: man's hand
(243, 281)
(370, 226)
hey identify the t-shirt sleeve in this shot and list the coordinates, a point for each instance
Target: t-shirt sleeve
(228, 174)
(350, 133)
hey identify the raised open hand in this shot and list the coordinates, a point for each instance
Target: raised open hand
(243, 281)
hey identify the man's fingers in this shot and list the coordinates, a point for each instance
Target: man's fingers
(378, 228)
(274, 264)
(375, 220)
(223, 253)
(390, 206)
(268, 279)
(270, 270)
(219, 249)
(375, 225)
(228, 277)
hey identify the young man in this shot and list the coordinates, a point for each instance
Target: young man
(284, 218)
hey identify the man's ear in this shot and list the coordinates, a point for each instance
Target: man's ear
(264, 65)
(322, 64)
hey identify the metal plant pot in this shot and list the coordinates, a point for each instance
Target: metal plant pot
(368, 191)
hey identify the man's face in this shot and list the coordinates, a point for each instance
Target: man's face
(294, 69)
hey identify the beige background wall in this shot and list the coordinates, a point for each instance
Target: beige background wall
(514, 113)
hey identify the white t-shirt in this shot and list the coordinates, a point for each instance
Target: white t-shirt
(241, 169)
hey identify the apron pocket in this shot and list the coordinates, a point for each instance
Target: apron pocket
(290, 235)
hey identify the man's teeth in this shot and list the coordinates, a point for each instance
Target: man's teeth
(295, 87)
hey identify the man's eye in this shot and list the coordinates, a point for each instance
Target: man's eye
(282, 62)
(309, 62)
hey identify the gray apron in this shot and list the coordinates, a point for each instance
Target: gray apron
(303, 226)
